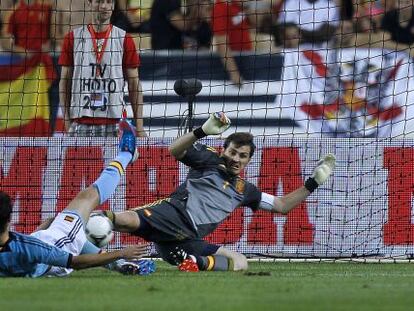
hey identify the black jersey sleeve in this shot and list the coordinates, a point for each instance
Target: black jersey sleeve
(252, 197)
(199, 155)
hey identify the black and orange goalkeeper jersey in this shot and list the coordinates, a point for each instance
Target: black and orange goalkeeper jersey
(209, 193)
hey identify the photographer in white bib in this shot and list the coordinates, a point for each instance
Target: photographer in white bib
(97, 60)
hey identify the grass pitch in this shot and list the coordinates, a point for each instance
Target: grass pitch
(268, 286)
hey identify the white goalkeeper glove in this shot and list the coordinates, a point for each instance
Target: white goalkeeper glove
(321, 173)
(216, 124)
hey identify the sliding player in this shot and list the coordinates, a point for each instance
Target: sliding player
(212, 191)
(61, 245)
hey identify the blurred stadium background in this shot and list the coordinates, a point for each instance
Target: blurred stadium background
(317, 76)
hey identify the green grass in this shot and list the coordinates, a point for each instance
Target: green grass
(290, 286)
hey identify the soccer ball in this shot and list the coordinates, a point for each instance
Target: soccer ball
(99, 230)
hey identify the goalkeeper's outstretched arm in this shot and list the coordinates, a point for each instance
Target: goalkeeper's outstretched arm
(216, 124)
(289, 201)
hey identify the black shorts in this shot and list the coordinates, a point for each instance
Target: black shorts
(163, 222)
(167, 226)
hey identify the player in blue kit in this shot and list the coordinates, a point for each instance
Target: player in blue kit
(61, 245)
(213, 189)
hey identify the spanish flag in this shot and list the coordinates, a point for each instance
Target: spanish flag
(351, 92)
(24, 95)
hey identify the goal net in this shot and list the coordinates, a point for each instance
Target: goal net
(301, 89)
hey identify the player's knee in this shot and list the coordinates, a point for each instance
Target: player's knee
(89, 195)
(84, 202)
(127, 221)
(240, 262)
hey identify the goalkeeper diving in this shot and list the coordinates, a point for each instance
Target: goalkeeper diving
(212, 190)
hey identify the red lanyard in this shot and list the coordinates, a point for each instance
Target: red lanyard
(99, 51)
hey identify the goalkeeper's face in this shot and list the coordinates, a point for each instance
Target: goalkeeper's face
(236, 157)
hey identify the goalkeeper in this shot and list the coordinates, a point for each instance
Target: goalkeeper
(212, 190)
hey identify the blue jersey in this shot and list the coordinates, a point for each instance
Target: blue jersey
(26, 256)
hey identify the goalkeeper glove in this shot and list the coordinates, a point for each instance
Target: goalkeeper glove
(216, 124)
(321, 173)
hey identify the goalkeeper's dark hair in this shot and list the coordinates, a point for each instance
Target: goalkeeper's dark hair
(5, 210)
(241, 139)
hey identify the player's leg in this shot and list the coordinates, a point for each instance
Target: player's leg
(157, 221)
(96, 194)
(131, 222)
(127, 221)
(203, 255)
(238, 261)
(66, 231)
(216, 258)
